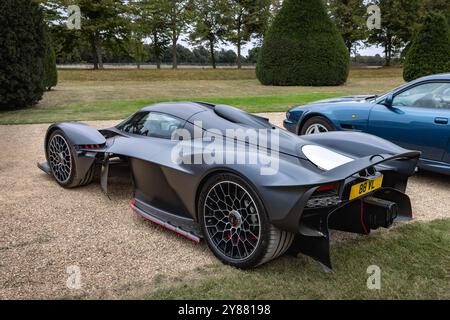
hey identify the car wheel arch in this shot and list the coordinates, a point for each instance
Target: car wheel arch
(48, 134)
(218, 171)
(310, 115)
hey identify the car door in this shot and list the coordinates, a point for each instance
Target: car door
(418, 119)
(149, 145)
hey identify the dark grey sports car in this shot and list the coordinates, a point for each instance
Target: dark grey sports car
(250, 189)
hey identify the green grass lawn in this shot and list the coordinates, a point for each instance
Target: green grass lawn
(414, 261)
(114, 94)
(110, 110)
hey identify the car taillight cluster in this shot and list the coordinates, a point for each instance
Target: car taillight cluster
(89, 146)
(325, 196)
(327, 187)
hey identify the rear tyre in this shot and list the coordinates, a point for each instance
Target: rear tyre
(317, 125)
(235, 224)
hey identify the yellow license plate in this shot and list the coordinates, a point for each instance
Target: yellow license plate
(365, 187)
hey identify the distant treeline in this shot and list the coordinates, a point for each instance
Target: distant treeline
(196, 56)
(142, 31)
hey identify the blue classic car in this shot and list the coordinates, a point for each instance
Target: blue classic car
(414, 116)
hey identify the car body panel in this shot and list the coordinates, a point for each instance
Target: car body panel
(412, 128)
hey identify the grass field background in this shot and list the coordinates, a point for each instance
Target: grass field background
(114, 94)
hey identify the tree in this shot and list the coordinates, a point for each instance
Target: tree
(201, 55)
(178, 16)
(226, 56)
(442, 6)
(104, 25)
(252, 56)
(22, 47)
(210, 21)
(136, 48)
(398, 20)
(350, 19)
(50, 71)
(430, 49)
(303, 47)
(150, 16)
(247, 18)
(184, 55)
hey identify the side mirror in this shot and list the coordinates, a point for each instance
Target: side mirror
(388, 102)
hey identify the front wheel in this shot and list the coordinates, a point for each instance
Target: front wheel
(235, 224)
(316, 125)
(62, 163)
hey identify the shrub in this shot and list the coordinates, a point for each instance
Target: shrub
(50, 71)
(22, 48)
(430, 49)
(303, 47)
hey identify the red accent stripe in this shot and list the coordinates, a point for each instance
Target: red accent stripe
(362, 217)
(167, 226)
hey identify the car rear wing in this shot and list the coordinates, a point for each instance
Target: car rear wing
(349, 169)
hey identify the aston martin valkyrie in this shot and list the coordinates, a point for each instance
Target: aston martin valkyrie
(188, 175)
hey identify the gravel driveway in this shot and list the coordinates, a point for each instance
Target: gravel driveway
(45, 229)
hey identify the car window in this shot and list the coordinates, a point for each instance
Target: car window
(152, 124)
(431, 95)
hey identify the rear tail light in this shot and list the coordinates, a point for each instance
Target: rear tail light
(90, 146)
(325, 196)
(327, 187)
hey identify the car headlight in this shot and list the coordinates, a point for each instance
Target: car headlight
(288, 115)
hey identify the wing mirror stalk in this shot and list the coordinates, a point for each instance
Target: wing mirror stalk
(388, 101)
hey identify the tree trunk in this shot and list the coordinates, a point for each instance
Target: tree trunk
(156, 51)
(100, 58)
(239, 60)
(388, 55)
(174, 50)
(239, 43)
(349, 47)
(138, 47)
(388, 51)
(213, 56)
(94, 52)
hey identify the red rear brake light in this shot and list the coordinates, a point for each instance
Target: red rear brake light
(327, 187)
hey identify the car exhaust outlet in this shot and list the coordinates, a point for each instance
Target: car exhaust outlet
(379, 213)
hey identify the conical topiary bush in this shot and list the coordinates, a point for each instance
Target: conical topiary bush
(22, 47)
(430, 50)
(50, 71)
(303, 47)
